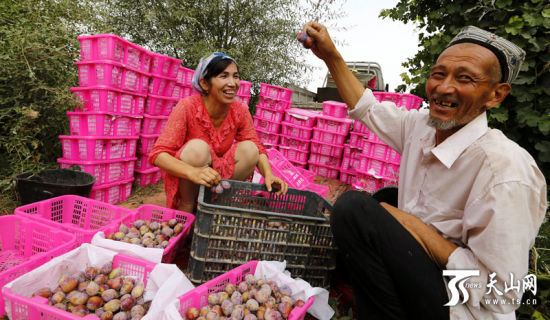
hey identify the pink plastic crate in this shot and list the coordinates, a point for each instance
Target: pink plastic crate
(292, 130)
(366, 182)
(338, 125)
(323, 170)
(373, 137)
(359, 127)
(114, 48)
(319, 189)
(159, 106)
(325, 136)
(153, 124)
(99, 123)
(394, 157)
(379, 151)
(151, 212)
(109, 99)
(161, 86)
(301, 117)
(98, 147)
(296, 143)
(299, 165)
(104, 171)
(335, 109)
(25, 308)
(142, 163)
(77, 215)
(26, 245)
(409, 101)
(187, 91)
(266, 126)
(294, 154)
(388, 182)
(108, 73)
(147, 177)
(358, 140)
(326, 160)
(185, 76)
(146, 142)
(243, 98)
(379, 168)
(178, 91)
(274, 104)
(244, 88)
(387, 96)
(113, 192)
(268, 137)
(275, 92)
(164, 65)
(198, 297)
(283, 169)
(352, 152)
(327, 149)
(269, 114)
(347, 176)
(310, 175)
(349, 163)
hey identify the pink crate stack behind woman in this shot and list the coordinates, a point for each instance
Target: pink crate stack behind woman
(209, 137)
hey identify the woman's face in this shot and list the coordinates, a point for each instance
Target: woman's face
(224, 86)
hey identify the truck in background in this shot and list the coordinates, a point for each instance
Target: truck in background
(367, 72)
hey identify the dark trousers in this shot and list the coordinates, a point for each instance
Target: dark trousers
(391, 275)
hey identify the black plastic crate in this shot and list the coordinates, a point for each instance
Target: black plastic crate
(247, 223)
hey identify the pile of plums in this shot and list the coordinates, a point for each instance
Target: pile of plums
(252, 299)
(148, 234)
(100, 291)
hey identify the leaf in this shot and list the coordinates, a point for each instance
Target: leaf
(514, 25)
(546, 13)
(503, 3)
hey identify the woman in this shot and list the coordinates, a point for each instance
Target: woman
(209, 137)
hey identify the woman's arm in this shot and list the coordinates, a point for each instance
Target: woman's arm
(270, 180)
(205, 176)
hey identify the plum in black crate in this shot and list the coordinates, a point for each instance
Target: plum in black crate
(246, 222)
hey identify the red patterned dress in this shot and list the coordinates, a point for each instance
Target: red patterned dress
(190, 120)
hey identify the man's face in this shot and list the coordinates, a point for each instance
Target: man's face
(459, 85)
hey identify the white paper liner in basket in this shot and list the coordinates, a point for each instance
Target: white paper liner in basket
(165, 283)
(132, 250)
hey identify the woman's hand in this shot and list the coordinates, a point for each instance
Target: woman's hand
(205, 176)
(272, 181)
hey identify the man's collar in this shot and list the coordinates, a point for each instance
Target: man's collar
(449, 150)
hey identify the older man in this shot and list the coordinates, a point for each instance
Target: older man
(469, 198)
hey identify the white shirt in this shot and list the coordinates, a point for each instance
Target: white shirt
(477, 188)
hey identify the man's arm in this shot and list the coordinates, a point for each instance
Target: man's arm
(437, 247)
(348, 86)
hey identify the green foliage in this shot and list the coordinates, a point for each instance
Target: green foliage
(259, 34)
(37, 53)
(525, 114)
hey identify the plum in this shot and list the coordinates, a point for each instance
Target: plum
(243, 286)
(137, 291)
(127, 303)
(225, 184)
(178, 228)
(123, 228)
(167, 231)
(306, 40)
(80, 310)
(230, 288)
(120, 316)
(236, 298)
(61, 306)
(43, 292)
(213, 299)
(94, 303)
(107, 315)
(227, 307)
(238, 313)
(271, 314)
(172, 222)
(107, 268)
(218, 189)
(92, 289)
(115, 273)
(77, 298)
(250, 279)
(126, 288)
(252, 305)
(138, 223)
(68, 284)
(80, 276)
(109, 295)
(100, 279)
(112, 305)
(139, 310)
(57, 297)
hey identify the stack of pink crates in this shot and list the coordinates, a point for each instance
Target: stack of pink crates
(244, 92)
(296, 135)
(376, 164)
(113, 80)
(327, 142)
(162, 95)
(270, 111)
